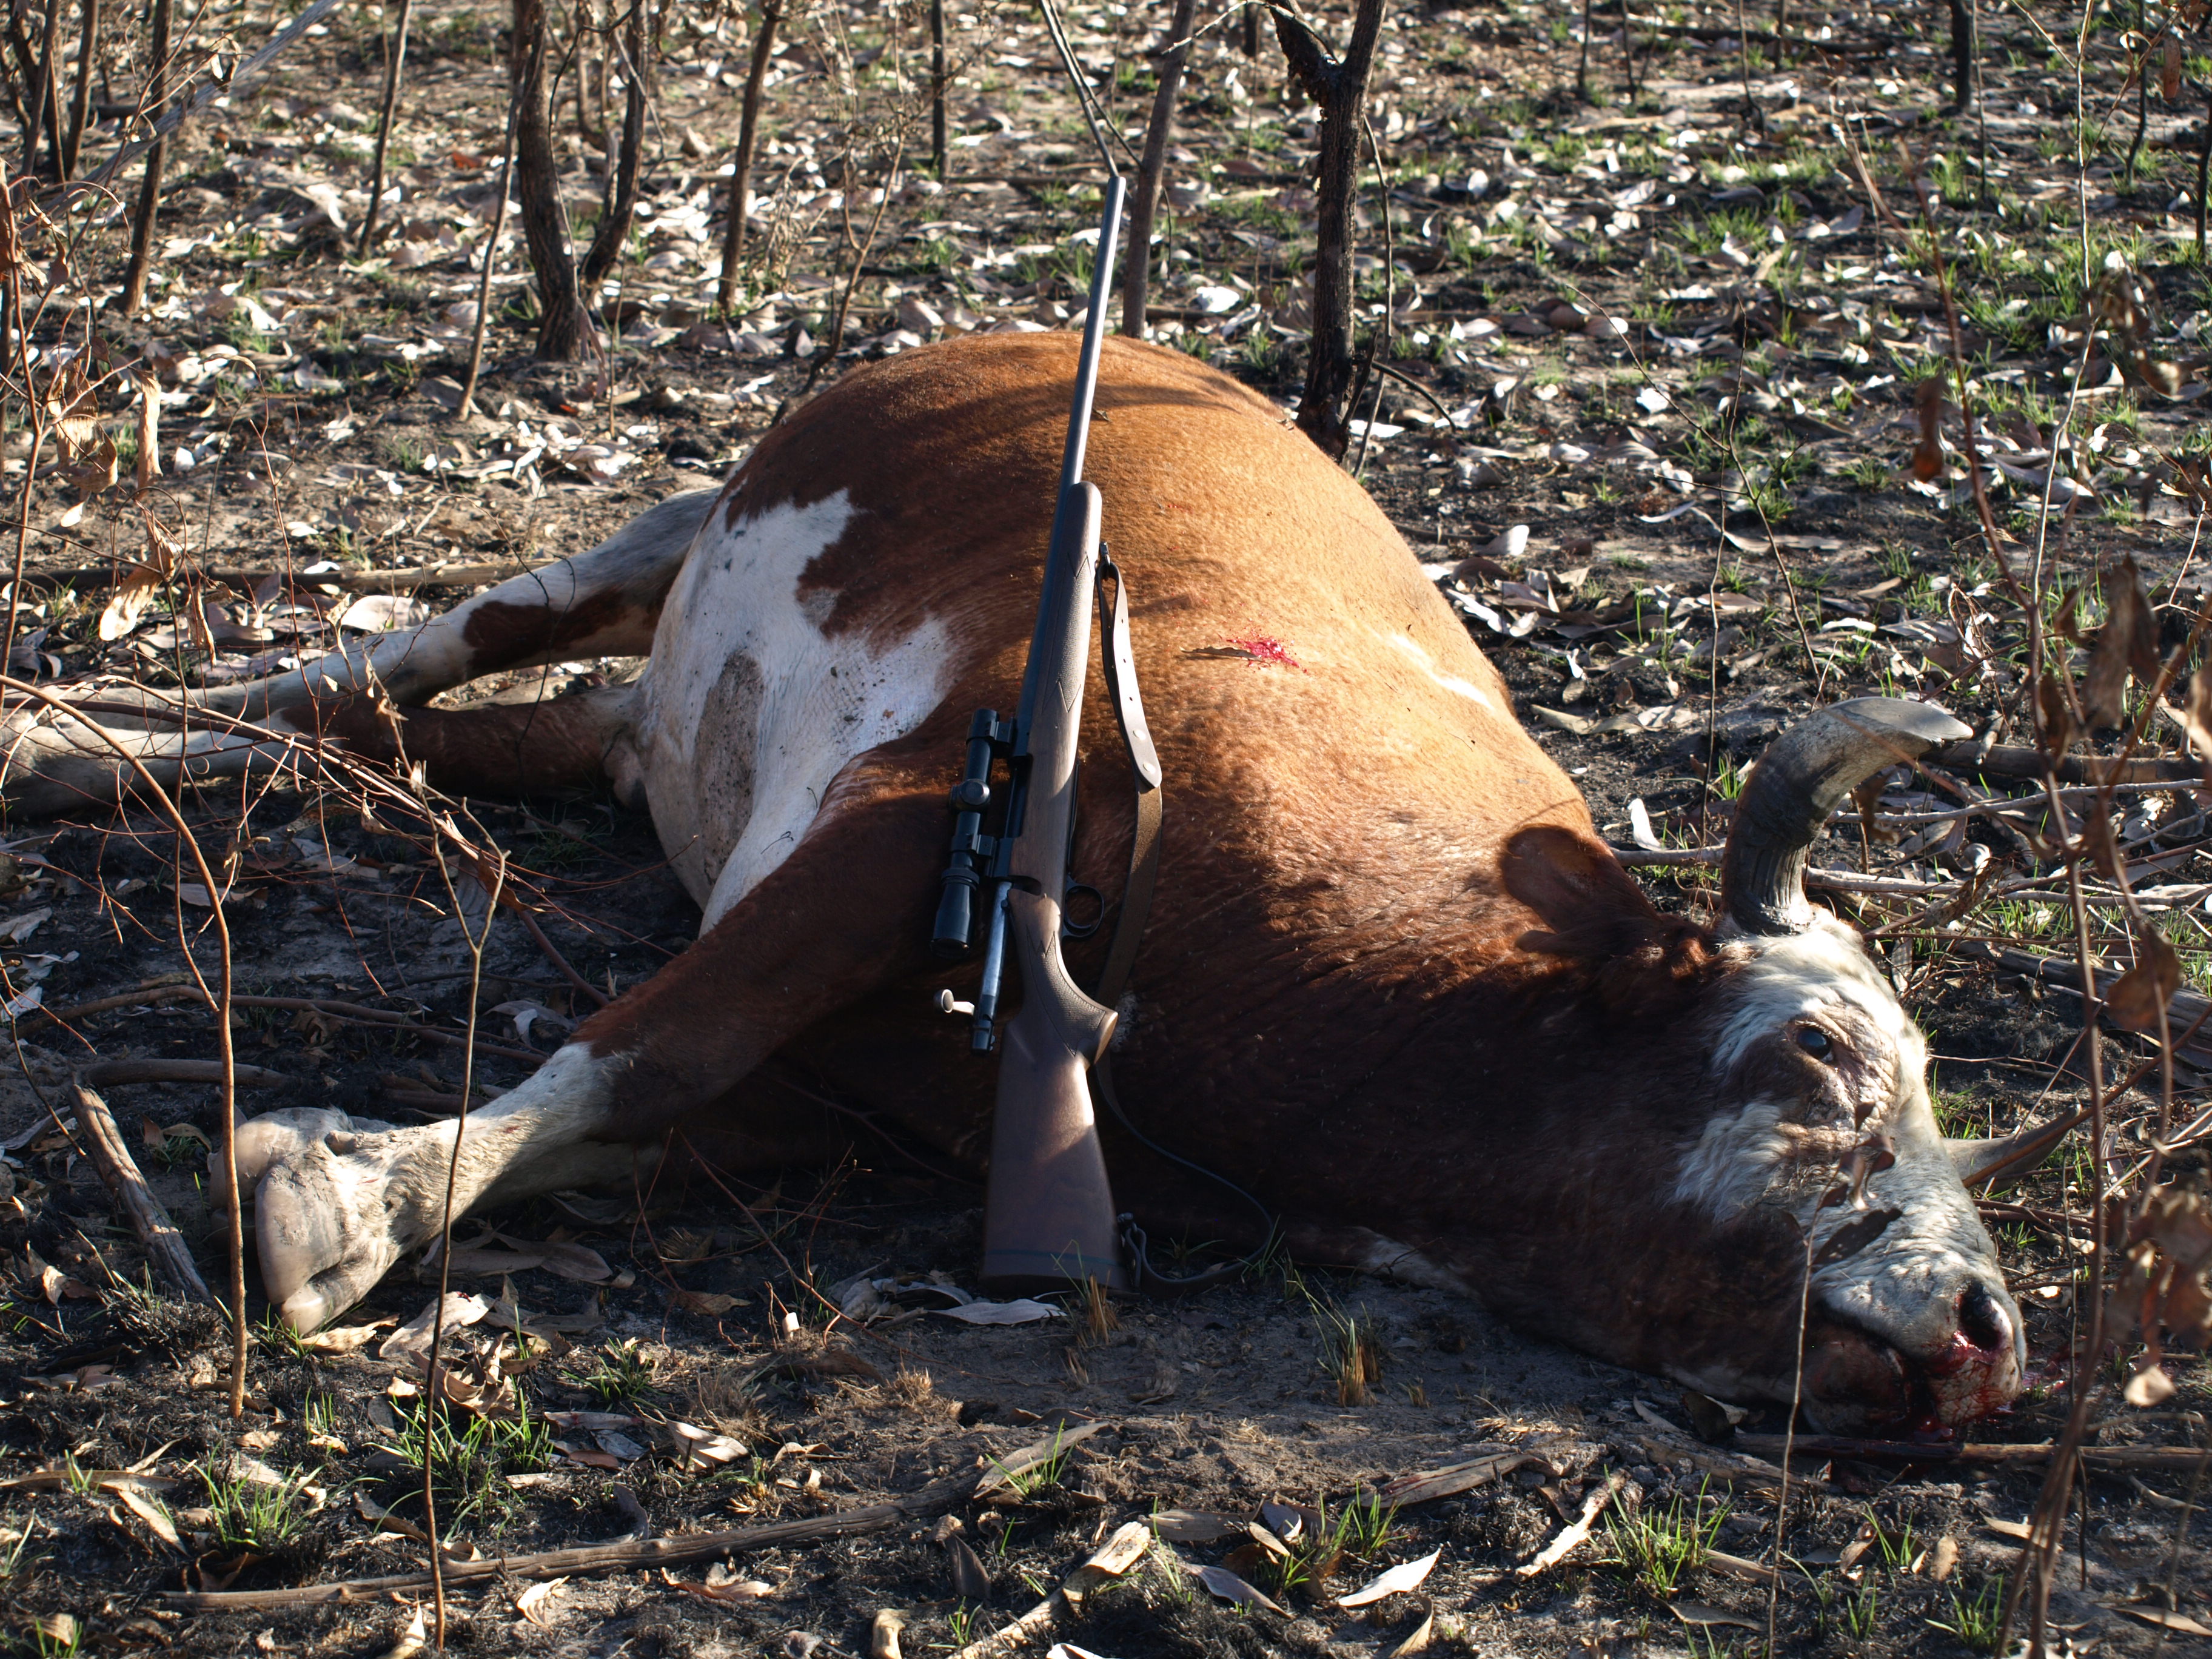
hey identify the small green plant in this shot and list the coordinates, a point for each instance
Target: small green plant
(1977, 1620)
(1027, 1484)
(1351, 1349)
(959, 1623)
(1363, 1526)
(471, 1460)
(251, 1514)
(615, 1375)
(280, 1338)
(1860, 1611)
(1658, 1548)
(1359, 1528)
(1871, 473)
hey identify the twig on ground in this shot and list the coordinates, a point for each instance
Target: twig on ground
(111, 1155)
(933, 1499)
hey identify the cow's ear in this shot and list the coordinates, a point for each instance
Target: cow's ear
(1589, 906)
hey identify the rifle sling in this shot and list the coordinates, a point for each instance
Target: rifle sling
(1121, 665)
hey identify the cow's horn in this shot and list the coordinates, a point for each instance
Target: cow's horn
(1977, 1161)
(1804, 775)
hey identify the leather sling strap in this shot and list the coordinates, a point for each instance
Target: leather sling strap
(1120, 666)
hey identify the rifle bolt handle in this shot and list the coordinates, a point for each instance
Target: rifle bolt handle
(946, 1004)
(970, 795)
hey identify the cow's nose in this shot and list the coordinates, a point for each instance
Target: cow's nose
(1982, 1319)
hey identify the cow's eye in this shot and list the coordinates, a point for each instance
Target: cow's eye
(1816, 1042)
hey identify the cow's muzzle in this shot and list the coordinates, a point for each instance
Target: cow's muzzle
(1858, 1383)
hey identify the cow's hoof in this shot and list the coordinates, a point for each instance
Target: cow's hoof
(329, 1214)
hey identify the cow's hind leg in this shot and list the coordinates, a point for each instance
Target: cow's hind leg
(605, 602)
(845, 912)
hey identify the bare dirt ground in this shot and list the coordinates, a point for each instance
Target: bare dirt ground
(1671, 334)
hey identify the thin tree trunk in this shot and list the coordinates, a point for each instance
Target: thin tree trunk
(44, 105)
(1251, 41)
(395, 65)
(149, 191)
(2203, 167)
(1136, 273)
(613, 232)
(564, 325)
(467, 405)
(741, 169)
(87, 48)
(937, 141)
(1339, 86)
(1963, 52)
(1582, 62)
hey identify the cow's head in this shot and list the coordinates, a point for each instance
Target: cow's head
(1808, 1128)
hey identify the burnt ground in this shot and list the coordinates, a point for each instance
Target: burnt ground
(1669, 330)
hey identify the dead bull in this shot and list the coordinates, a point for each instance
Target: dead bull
(1393, 982)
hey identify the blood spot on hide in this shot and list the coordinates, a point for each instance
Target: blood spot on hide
(1258, 650)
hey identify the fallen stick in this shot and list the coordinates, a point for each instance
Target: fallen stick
(350, 581)
(2024, 762)
(352, 1012)
(1572, 1538)
(2153, 1458)
(111, 1156)
(931, 1499)
(113, 1073)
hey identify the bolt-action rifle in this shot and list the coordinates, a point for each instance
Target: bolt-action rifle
(1049, 1218)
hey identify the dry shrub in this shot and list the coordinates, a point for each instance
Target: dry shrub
(724, 1396)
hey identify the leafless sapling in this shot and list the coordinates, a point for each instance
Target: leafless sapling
(564, 325)
(1136, 270)
(149, 191)
(741, 166)
(1339, 86)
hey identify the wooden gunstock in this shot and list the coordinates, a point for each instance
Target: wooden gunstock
(1049, 1220)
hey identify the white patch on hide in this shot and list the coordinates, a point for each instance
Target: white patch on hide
(1787, 978)
(1735, 1158)
(1451, 683)
(820, 701)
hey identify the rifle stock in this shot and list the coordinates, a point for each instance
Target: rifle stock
(1049, 1220)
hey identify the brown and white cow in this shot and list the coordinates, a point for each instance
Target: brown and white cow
(1393, 982)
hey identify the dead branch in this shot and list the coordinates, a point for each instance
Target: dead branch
(88, 49)
(221, 1001)
(117, 1073)
(933, 1499)
(620, 208)
(2139, 1459)
(111, 1155)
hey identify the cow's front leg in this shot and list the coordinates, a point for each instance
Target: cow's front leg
(848, 910)
(338, 1202)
